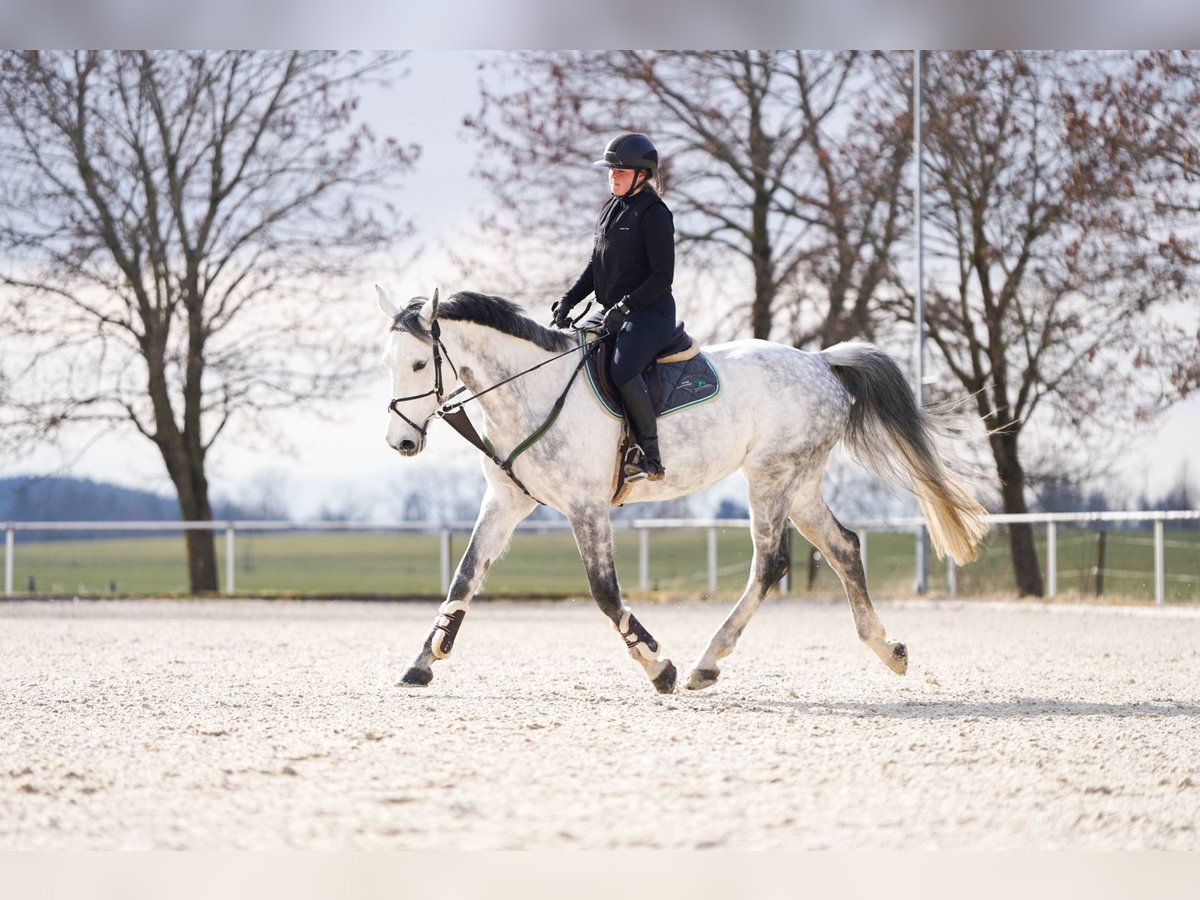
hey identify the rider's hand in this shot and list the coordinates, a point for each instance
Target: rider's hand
(561, 313)
(616, 316)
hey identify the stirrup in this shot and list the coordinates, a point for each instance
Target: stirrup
(637, 467)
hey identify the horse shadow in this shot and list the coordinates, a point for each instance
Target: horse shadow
(1017, 708)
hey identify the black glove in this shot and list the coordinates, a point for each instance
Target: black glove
(561, 313)
(616, 316)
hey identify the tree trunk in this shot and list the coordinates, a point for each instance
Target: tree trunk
(1026, 570)
(191, 485)
(763, 262)
(185, 465)
(764, 294)
(202, 561)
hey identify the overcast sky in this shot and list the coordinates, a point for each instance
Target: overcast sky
(342, 454)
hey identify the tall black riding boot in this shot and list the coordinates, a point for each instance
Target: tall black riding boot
(639, 412)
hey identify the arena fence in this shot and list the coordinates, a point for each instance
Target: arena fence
(1087, 553)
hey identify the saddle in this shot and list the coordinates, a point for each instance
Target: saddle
(679, 377)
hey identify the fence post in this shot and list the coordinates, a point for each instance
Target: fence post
(1099, 567)
(1160, 588)
(712, 560)
(921, 585)
(444, 568)
(230, 559)
(785, 583)
(1052, 558)
(643, 559)
(951, 577)
(8, 561)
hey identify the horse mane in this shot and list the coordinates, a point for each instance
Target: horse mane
(482, 309)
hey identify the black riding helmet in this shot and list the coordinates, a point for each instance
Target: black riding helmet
(630, 151)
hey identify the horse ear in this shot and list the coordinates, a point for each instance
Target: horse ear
(385, 304)
(429, 312)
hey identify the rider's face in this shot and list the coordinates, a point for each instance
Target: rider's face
(620, 181)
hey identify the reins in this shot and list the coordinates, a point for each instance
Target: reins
(457, 419)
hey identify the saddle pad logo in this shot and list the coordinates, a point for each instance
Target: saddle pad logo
(692, 384)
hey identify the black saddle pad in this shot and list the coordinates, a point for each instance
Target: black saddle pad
(674, 384)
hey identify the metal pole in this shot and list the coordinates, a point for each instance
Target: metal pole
(1052, 557)
(785, 583)
(444, 568)
(951, 577)
(1160, 588)
(230, 564)
(712, 560)
(8, 561)
(643, 559)
(922, 581)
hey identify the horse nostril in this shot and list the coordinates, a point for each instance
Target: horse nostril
(407, 446)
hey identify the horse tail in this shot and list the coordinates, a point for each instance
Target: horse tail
(892, 436)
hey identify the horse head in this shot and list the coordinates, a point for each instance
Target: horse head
(408, 356)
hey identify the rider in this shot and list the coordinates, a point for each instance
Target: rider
(632, 264)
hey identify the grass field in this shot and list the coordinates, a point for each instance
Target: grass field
(406, 564)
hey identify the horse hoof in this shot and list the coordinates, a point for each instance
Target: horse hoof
(664, 683)
(415, 677)
(703, 678)
(898, 662)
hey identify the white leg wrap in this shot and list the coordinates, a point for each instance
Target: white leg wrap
(445, 627)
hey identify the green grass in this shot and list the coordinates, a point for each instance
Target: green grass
(404, 564)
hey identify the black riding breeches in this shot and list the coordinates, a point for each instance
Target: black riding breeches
(640, 339)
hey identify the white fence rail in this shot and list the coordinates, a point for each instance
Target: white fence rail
(1051, 521)
(644, 527)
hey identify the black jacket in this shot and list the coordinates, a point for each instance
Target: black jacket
(634, 253)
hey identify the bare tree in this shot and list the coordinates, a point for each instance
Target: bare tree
(1052, 249)
(1170, 98)
(785, 171)
(174, 230)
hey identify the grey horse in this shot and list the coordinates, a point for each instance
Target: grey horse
(779, 414)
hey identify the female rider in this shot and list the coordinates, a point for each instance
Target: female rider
(632, 265)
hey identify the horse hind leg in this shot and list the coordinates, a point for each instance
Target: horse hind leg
(770, 564)
(841, 548)
(498, 517)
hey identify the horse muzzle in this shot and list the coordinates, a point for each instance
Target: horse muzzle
(407, 446)
(406, 441)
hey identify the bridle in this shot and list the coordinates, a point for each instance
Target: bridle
(438, 390)
(453, 413)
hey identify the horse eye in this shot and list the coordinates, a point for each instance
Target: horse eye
(419, 365)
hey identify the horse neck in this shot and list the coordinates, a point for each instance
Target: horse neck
(485, 357)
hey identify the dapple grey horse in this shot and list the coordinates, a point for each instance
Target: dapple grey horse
(778, 415)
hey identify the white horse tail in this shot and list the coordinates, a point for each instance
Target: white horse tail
(900, 442)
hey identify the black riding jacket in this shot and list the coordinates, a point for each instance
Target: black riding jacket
(634, 253)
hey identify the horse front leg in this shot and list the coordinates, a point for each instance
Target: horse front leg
(593, 535)
(498, 517)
